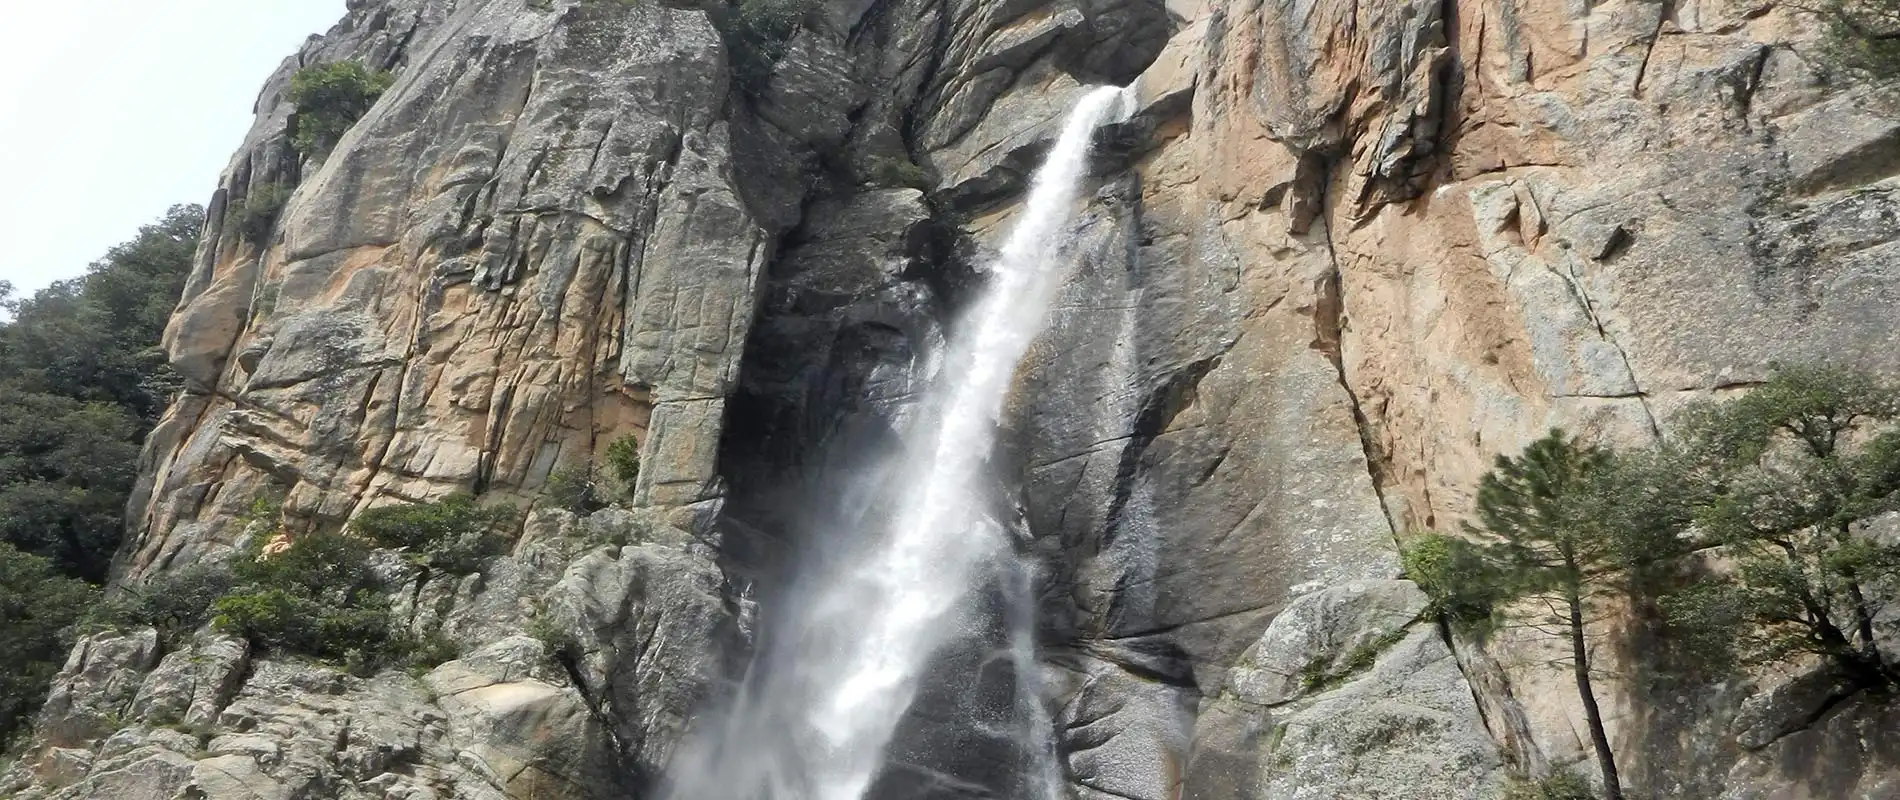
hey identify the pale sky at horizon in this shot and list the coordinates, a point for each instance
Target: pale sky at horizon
(111, 111)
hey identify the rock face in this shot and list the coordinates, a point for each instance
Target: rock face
(1345, 254)
(1349, 693)
(643, 621)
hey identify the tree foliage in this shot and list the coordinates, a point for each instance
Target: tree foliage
(1789, 478)
(1861, 35)
(1543, 539)
(453, 534)
(330, 98)
(1462, 583)
(81, 382)
(1759, 532)
(38, 609)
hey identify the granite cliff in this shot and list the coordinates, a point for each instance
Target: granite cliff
(1345, 253)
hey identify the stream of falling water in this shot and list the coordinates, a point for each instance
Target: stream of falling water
(852, 647)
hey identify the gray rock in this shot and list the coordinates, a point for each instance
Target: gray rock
(191, 685)
(90, 693)
(1347, 694)
(1126, 735)
(651, 634)
(1848, 752)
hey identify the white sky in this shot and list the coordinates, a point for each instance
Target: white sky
(113, 110)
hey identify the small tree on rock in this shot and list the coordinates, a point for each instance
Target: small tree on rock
(1790, 476)
(1540, 527)
(329, 99)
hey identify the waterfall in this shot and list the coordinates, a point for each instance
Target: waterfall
(834, 680)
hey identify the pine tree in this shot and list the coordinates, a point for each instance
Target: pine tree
(1540, 525)
(1786, 479)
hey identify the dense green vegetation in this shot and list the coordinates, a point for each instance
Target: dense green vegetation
(329, 99)
(318, 596)
(38, 608)
(176, 602)
(81, 383)
(453, 535)
(1750, 530)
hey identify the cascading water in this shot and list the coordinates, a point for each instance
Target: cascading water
(834, 679)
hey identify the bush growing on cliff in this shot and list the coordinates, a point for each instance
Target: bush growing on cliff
(454, 534)
(575, 489)
(588, 487)
(330, 98)
(176, 602)
(1789, 477)
(255, 215)
(757, 33)
(317, 597)
(623, 463)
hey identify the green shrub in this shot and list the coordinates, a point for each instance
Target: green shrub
(575, 489)
(330, 98)
(318, 597)
(587, 488)
(453, 535)
(359, 631)
(254, 215)
(330, 566)
(428, 652)
(176, 602)
(623, 463)
(1456, 578)
(556, 641)
(1561, 784)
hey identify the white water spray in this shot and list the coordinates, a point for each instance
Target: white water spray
(854, 648)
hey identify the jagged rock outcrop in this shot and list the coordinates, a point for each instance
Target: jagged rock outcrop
(633, 622)
(1343, 255)
(1351, 692)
